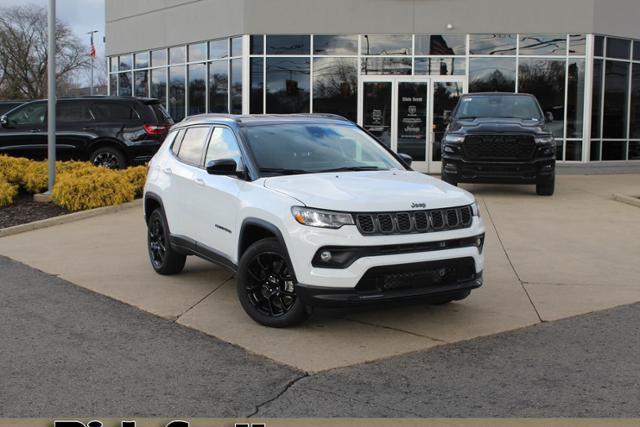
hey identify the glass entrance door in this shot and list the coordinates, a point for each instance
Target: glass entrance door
(376, 109)
(412, 112)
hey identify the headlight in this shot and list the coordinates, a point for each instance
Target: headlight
(544, 139)
(454, 138)
(475, 209)
(318, 218)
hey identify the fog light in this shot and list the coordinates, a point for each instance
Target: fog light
(325, 256)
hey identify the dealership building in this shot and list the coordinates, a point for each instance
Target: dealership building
(396, 67)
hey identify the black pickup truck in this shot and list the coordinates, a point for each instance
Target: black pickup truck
(499, 138)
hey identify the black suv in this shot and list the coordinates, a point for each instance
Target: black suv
(499, 138)
(108, 131)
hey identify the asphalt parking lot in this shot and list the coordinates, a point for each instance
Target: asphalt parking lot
(69, 351)
(547, 258)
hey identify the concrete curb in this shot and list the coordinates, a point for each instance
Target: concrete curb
(63, 219)
(630, 200)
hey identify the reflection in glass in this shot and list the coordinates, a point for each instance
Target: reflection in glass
(141, 79)
(412, 119)
(218, 87)
(256, 76)
(376, 114)
(543, 44)
(158, 57)
(574, 151)
(492, 75)
(198, 52)
(288, 85)
(559, 149)
(335, 45)
(141, 59)
(616, 85)
(636, 50)
(596, 103)
(577, 44)
(614, 150)
(544, 78)
(159, 85)
(124, 62)
(218, 49)
(634, 119)
(335, 83)
(176, 92)
(379, 65)
(575, 99)
(113, 64)
(598, 46)
(113, 84)
(257, 44)
(441, 44)
(236, 86)
(288, 45)
(236, 46)
(439, 66)
(177, 55)
(197, 88)
(618, 48)
(124, 84)
(634, 150)
(445, 99)
(492, 44)
(386, 44)
(594, 154)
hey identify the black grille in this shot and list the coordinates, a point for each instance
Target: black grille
(499, 147)
(414, 221)
(418, 275)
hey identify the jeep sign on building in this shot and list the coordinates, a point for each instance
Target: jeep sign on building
(396, 67)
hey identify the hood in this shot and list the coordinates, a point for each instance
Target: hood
(498, 125)
(371, 191)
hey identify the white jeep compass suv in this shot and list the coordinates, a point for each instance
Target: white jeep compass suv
(308, 210)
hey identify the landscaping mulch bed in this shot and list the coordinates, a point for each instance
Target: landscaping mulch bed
(25, 210)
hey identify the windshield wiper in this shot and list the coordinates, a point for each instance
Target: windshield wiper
(352, 169)
(283, 171)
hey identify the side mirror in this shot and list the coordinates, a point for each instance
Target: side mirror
(4, 122)
(227, 167)
(548, 117)
(406, 158)
(446, 116)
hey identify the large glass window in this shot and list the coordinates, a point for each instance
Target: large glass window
(492, 75)
(492, 44)
(257, 86)
(575, 98)
(618, 48)
(386, 44)
(159, 84)
(288, 85)
(141, 79)
(177, 92)
(124, 62)
(335, 45)
(257, 44)
(141, 60)
(288, 45)
(614, 150)
(335, 82)
(577, 44)
(545, 79)
(386, 65)
(197, 52)
(616, 88)
(124, 84)
(177, 55)
(218, 87)
(219, 49)
(441, 44)
(197, 88)
(159, 58)
(634, 123)
(596, 106)
(236, 86)
(236, 46)
(543, 44)
(440, 66)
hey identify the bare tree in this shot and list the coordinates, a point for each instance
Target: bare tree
(23, 53)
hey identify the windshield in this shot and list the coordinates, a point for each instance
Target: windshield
(502, 106)
(308, 148)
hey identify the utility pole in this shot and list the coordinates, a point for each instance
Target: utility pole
(93, 57)
(51, 72)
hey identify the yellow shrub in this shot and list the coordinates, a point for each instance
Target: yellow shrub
(13, 168)
(35, 178)
(84, 189)
(136, 177)
(7, 192)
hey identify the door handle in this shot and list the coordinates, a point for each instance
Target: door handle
(34, 130)
(167, 171)
(199, 182)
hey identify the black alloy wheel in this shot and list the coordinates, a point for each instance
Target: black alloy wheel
(157, 243)
(108, 157)
(164, 259)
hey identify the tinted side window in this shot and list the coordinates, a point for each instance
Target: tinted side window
(223, 145)
(33, 114)
(113, 111)
(175, 147)
(193, 144)
(73, 112)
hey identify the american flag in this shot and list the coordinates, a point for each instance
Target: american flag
(92, 51)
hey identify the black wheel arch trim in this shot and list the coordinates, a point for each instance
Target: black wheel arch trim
(149, 195)
(269, 227)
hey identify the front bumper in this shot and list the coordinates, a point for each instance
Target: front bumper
(535, 171)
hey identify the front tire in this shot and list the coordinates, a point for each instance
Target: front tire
(266, 286)
(547, 187)
(164, 259)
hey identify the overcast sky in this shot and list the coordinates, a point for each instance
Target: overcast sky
(81, 15)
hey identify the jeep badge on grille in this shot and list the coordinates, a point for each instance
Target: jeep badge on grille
(418, 205)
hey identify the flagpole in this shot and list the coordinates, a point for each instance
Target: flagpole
(51, 77)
